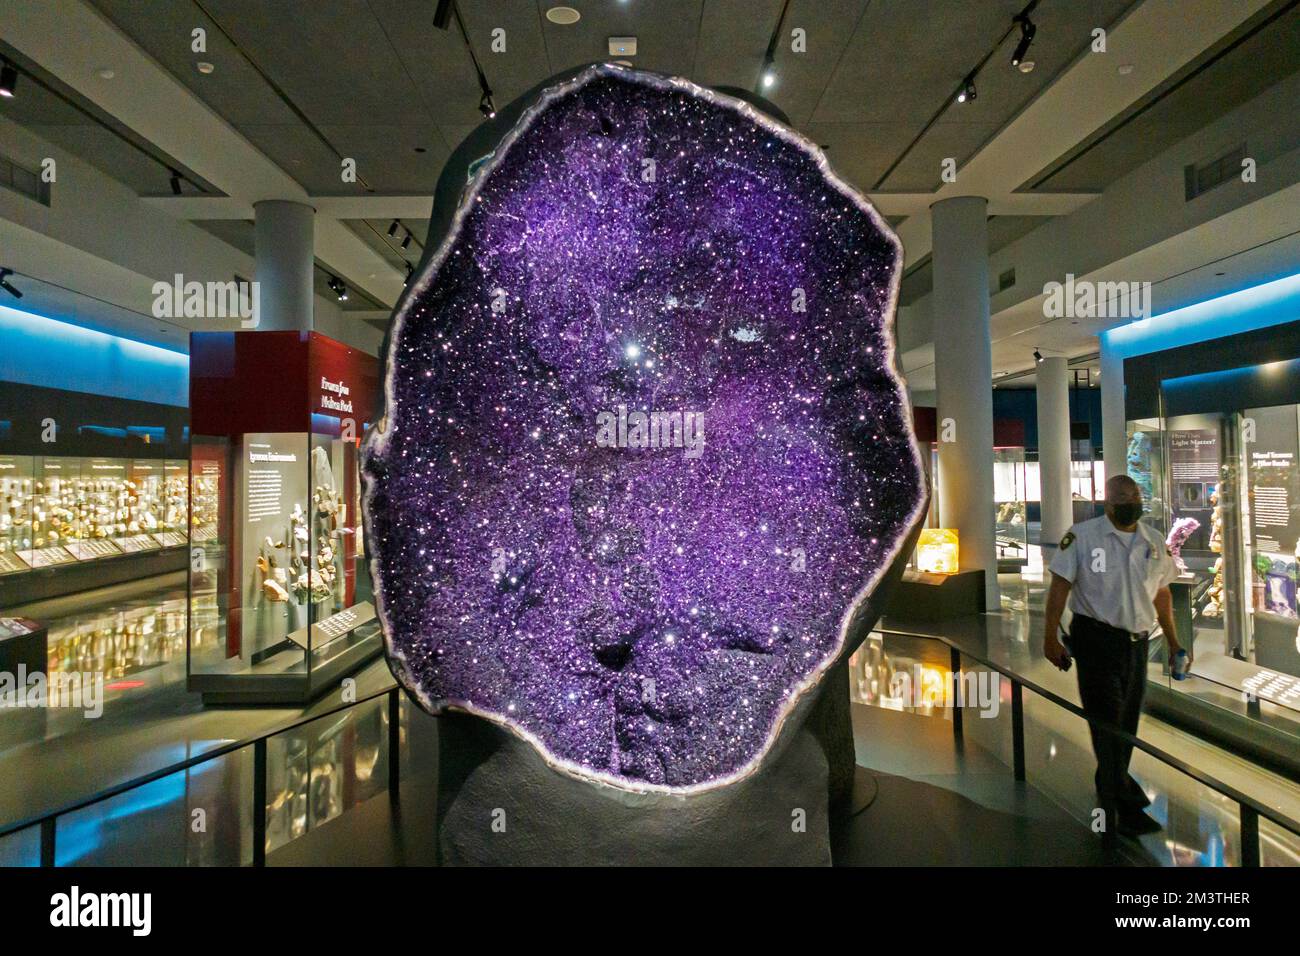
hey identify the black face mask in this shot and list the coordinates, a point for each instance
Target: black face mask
(1127, 513)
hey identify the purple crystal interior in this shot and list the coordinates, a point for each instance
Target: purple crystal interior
(646, 616)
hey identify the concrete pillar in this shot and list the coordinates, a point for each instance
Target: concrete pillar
(1054, 449)
(963, 371)
(1114, 429)
(284, 254)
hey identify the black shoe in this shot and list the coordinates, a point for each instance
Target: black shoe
(1136, 824)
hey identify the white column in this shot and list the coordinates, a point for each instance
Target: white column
(963, 371)
(1114, 428)
(1054, 449)
(284, 255)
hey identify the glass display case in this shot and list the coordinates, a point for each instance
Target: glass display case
(64, 510)
(1010, 496)
(1220, 469)
(275, 540)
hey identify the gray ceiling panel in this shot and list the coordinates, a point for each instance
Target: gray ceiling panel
(439, 65)
(801, 78)
(238, 233)
(666, 32)
(732, 39)
(299, 153)
(233, 88)
(920, 171)
(387, 155)
(907, 55)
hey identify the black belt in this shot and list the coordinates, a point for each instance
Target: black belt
(1110, 629)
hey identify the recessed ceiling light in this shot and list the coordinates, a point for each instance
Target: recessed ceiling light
(624, 63)
(1026, 66)
(622, 46)
(106, 74)
(564, 16)
(204, 67)
(1124, 69)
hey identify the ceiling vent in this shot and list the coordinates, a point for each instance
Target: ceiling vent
(24, 181)
(1200, 179)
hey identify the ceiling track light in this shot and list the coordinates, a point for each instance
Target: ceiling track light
(8, 79)
(1038, 356)
(767, 74)
(174, 181)
(485, 104)
(1027, 31)
(7, 285)
(392, 228)
(406, 240)
(339, 288)
(407, 280)
(968, 91)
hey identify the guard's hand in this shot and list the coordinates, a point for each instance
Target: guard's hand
(1054, 651)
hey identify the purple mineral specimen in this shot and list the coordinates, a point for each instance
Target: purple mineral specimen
(644, 449)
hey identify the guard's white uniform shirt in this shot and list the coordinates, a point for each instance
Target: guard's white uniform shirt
(1114, 581)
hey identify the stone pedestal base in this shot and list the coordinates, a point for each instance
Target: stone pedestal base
(500, 804)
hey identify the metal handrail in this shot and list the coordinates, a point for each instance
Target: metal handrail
(48, 821)
(1250, 809)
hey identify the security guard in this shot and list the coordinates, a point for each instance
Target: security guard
(1116, 572)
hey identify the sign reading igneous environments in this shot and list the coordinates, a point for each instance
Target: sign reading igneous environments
(644, 451)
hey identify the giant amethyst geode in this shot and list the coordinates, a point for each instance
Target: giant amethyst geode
(644, 449)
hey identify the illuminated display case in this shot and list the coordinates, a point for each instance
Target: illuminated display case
(92, 492)
(278, 418)
(1216, 453)
(1011, 500)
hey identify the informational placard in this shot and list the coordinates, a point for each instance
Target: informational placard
(169, 539)
(93, 548)
(335, 626)
(1272, 460)
(50, 557)
(11, 561)
(136, 543)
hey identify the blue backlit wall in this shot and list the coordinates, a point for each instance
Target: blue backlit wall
(1258, 307)
(37, 350)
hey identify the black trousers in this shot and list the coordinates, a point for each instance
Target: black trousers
(1112, 683)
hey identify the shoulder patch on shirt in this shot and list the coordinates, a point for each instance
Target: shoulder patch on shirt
(1067, 540)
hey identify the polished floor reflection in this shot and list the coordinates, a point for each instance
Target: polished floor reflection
(1200, 826)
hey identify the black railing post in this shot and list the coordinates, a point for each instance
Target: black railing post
(1018, 730)
(259, 802)
(1249, 836)
(394, 745)
(49, 829)
(954, 656)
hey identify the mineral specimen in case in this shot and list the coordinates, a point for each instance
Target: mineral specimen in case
(644, 449)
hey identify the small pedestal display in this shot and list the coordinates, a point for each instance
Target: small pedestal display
(276, 614)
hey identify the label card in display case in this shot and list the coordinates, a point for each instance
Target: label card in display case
(91, 549)
(11, 562)
(50, 557)
(169, 539)
(136, 543)
(336, 625)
